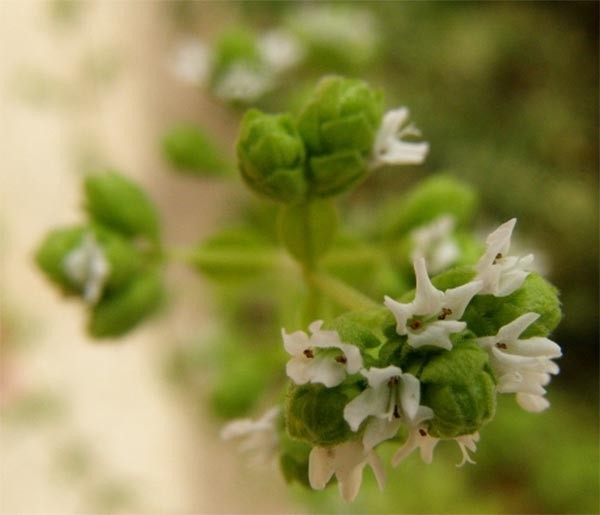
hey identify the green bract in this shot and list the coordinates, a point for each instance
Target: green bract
(338, 125)
(271, 156)
(293, 459)
(121, 311)
(486, 314)
(116, 202)
(315, 414)
(460, 388)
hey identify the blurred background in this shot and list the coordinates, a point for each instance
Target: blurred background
(505, 93)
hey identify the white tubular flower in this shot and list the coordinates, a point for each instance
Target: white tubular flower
(320, 358)
(433, 315)
(421, 439)
(243, 83)
(259, 437)
(389, 149)
(280, 50)
(502, 274)
(392, 398)
(87, 266)
(191, 62)
(347, 462)
(434, 243)
(522, 366)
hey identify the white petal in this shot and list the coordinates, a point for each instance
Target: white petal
(457, 299)
(320, 467)
(353, 358)
(533, 403)
(299, 370)
(378, 468)
(295, 343)
(371, 402)
(327, 371)
(349, 481)
(379, 430)
(380, 376)
(436, 334)
(536, 346)
(410, 395)
(428, 299)
(401, 312)
(510, 332)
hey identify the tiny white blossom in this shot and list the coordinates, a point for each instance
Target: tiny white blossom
(320, 358)
(502, 274)
(347, 462)
(522, 366)
(280, 50)
(392, 398)
(390, 149)
(243, 83)
(433, 315)
(434, 243)
(419, 438)
(259, 436)
(191, 62)
(87, 266)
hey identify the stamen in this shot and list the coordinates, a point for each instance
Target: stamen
(415, 324)
(396, 414)
(422, 432)
(309, 353)
(501, 345)
(445, 313)
(498, 256)
(393, 381)
(341, 359)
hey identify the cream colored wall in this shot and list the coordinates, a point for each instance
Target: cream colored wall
(116, 400)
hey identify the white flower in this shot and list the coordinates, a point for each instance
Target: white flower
(87, 266)
(522, 366)
(502, 274)
(259, 437)
(433, 315)
(318, 359)
(434, 243)
(243, 83)
(389, 149)
(347, 462)
(280, 50)
(418, 437)
(191, 61)
(392, 398)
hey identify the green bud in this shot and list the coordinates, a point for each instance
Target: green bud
(191, 150)
(486, 314)
(122, 310)
(315, 414)
(338, 125)
(123, 258)
(271, 156)
(293, 459)
(359, 327)
(434, 197)
(118, 203)
(308, 230)
(460, 388)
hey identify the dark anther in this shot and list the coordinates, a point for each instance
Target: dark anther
(415, 324)
(396, 414)
(501, 345)
(341, 359)
(445, 313)
(393, 381)
(422, 432)
(309, 353)
(498, 256)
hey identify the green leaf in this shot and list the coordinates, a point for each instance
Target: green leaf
(117, 202)
(190, 149)
(308, 230)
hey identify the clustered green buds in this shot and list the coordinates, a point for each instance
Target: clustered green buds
(322, 153)
(113, 261)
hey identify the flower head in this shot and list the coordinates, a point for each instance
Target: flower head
(259, 437)
(433, 315)
(502, 274)
(434, 242)
(243, 83)
(389, 147)
(392, 398)
(191, 62)
(87, 266)
(347, 462)
(522, 366)
(280, 50)
(320, 358)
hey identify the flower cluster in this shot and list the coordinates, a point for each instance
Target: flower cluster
(444, 356)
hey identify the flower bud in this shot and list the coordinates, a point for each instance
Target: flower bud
(315, 414)
(271, 156)
(338, 125)
(486, 314)
(122, 310)
(460, 388)
(118, 203)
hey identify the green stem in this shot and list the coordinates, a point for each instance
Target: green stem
(341, 292)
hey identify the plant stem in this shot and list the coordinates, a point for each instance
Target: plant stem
(341, 292)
